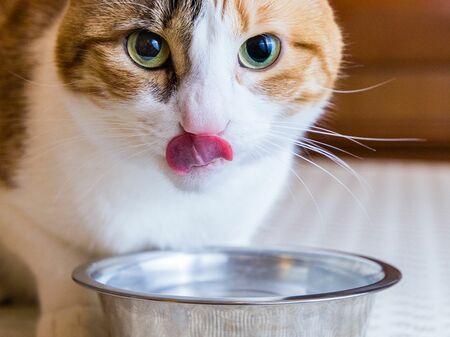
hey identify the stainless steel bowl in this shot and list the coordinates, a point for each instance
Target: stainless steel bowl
(237, 292)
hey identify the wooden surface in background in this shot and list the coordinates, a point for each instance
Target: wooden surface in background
(408, 42)
(388, 31)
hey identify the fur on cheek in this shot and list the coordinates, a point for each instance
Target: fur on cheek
(311, 48)
(302, 85)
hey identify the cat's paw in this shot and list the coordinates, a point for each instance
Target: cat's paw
(79, 321)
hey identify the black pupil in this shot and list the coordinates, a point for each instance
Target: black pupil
(259, 48)
(148, 45)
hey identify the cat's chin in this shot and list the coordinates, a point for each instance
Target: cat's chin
(202, 178)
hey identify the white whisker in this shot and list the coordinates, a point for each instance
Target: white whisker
(323, 131)
(340, 162)
(356, 91)
(307, 188)
(111, 168)
(39, 84)
(372, 139)
(357, 200)
(331, 147)
(332, 134)
(132, 133)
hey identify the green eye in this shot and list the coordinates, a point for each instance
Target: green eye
(148, 49)
(260, 51)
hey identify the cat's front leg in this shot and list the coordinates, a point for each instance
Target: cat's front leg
(67, 310)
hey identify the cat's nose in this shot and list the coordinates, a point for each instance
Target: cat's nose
(204, 126)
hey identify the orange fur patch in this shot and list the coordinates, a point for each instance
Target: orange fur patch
(91, 55)
(244, 15)
(311, 48)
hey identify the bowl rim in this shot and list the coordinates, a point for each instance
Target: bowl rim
(82, 276)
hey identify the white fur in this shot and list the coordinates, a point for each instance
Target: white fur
(88, 188)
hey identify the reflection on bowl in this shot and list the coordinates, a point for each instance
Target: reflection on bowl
(237, 292)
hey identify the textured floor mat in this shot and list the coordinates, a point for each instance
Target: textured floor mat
(403, 217)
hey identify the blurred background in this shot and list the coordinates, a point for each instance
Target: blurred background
(406, 42)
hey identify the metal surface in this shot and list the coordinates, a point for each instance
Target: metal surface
(237, 292)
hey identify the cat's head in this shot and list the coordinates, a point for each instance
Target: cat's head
(197, 87)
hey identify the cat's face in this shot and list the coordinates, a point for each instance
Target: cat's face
(196, 86)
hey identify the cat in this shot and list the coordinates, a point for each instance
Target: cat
(129, 125)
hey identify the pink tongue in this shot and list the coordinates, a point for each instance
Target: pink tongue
(188, 150)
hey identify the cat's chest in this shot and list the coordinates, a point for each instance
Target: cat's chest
(161, 216)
